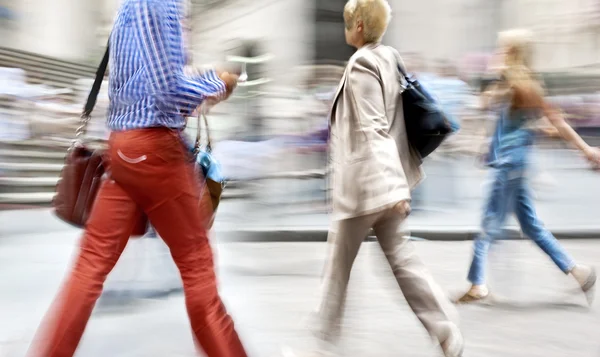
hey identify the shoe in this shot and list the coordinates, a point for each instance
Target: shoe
(470, 298)
(586, 278)
(453, 344)
(589, 287)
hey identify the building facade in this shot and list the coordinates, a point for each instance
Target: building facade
(65, 29)
(299, 32)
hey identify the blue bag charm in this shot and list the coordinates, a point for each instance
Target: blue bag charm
(211, 169)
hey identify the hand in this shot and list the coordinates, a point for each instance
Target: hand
(207, 105)
(230, 81)
(592, 154)
(403, 208)
(550, 132)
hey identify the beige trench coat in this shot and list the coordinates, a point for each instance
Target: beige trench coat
(373, 166)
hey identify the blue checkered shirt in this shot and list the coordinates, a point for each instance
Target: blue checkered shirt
(147, 84)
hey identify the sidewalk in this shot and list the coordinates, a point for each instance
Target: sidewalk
(440, 225)
(451, 200)
(271, 288)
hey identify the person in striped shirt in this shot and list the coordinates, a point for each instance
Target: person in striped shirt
(151, 172)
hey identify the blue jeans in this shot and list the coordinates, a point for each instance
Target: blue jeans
(510, 193)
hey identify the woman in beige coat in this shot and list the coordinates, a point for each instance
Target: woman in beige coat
(374, 171)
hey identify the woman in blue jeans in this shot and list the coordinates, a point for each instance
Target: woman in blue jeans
(518, 97)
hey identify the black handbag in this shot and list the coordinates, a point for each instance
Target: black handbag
(427, 126)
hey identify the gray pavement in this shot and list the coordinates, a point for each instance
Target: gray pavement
(449, 207)
(270, 288)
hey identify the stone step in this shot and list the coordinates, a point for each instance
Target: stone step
(37, 198)
(28, 181)
(45, 198)
(24, 169)
(23, 166)
(46, 145)
(48, 184)
(28, 184)
(32, 156)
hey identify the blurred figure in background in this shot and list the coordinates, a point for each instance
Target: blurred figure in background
(152, 172)
(452, 92)
(518, 97)
(374, 171)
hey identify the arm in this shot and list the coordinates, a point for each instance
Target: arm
(565, 130)
(497, 93)
(546, 128)
(367, 91)
(157, 35)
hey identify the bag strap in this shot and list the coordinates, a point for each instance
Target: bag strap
(86, 115)
(202, 116)
(400, 64)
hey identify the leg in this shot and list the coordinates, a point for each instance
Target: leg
(161, 179)
(535, 230)
(533, 227)
(424, 296)
(344, 240)
(109, 227)
(176, 221)
(497, 208)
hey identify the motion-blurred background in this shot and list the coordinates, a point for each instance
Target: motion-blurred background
(275, 126)
(271, 136)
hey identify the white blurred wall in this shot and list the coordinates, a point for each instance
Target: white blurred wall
(282, 28)
(567, 31)
(65, 29)
(443, 29)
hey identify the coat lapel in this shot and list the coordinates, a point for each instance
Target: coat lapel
(337, 95)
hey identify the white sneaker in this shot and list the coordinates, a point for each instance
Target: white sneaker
(453, 344)
(589, 286)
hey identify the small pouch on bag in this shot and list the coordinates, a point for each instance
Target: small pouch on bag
(211, 169)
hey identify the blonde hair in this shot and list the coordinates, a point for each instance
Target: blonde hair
(375, 15)
(526, 90)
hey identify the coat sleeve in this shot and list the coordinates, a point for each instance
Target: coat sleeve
(367, 93)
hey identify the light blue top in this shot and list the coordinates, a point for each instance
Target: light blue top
(512, 138)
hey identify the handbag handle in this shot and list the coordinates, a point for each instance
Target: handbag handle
(202, 115)
(400, 64)
(86, 115)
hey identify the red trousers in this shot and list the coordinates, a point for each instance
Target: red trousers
(150, 172)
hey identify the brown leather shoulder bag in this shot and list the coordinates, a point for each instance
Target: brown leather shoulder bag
(85, 169)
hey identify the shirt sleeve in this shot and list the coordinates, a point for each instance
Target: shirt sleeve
(157, 35)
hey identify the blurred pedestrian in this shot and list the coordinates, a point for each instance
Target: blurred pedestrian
(374, 171)
(152, 172)
(518, 97)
